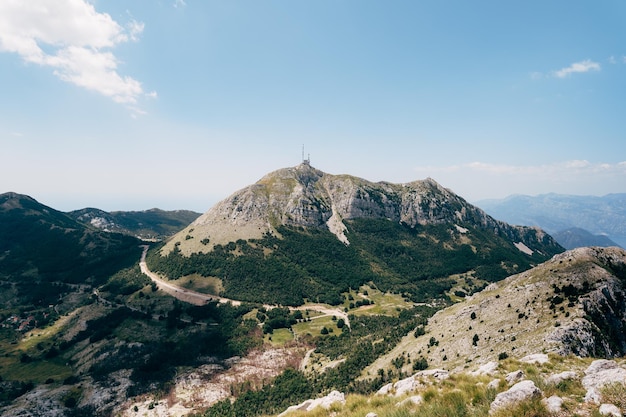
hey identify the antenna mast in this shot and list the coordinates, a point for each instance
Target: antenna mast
(306, 161)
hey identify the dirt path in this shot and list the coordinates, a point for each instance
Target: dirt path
(197, 298)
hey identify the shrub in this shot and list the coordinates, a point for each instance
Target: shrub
(419, 331)
(420, 364)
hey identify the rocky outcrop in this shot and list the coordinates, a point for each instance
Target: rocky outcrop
(593, 377)
(324, 402)
(410, 384)
(574, 303)
(599, 374)
(305, 196)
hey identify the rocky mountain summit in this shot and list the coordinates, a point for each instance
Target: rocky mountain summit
(305, 196)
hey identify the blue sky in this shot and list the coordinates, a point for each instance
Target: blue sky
(128, 105)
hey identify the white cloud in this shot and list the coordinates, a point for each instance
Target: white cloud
(73, 39)
(179, 3)
(577, 67)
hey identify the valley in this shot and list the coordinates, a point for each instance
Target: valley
(299, 286)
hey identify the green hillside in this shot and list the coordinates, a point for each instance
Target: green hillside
(311, 264)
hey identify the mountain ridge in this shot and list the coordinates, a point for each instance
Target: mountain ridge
(325, 234)
(605, 215)
(305, 196)
(570, 304)
(151, 224)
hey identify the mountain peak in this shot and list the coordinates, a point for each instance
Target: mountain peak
(304, 196)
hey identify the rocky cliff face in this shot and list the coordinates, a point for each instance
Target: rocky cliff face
(305, 196)
(571, 304)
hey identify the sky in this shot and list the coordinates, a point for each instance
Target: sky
(176, 104)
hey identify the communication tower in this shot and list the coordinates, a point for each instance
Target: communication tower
(306, 161)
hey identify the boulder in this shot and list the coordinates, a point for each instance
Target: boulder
(487, 369)
(538, 358)
(413, 400)
(610, 410)
(558, 378)
(410, 384)
(515, 376)
(385, 389)
(523, 390)
(553, 404)
(324, 402)
(598, 374)
(371, 415)
(494, 384)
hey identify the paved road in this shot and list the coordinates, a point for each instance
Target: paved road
(183, 294)
(197, 298)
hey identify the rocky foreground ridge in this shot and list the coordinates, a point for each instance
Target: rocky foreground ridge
(575, 303)
(305, 196)
(534, 385)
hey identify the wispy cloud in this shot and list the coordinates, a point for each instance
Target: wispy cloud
(73, 39)
(179, 3)
(478, 180)
(577, 67)
(503, 169)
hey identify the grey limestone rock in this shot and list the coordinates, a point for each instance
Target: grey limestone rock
(523, 390)
(513, 377)
(610, 410)
(598, 374)
(324, 402)
(553, 404)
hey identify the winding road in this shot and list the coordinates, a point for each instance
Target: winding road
(197, 298)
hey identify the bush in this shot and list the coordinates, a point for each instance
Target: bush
(420, 364)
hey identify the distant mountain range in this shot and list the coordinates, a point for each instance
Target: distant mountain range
(564, 215)
(153, 224)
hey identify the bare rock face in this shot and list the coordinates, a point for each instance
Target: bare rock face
(600, 290)
(305, 196)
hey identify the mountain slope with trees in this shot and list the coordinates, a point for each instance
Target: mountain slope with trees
(300, 234)
(153, 224)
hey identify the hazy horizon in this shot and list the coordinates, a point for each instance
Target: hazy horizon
(177, 104)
